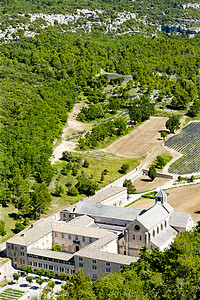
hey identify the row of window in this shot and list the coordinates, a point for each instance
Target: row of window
(14, 248)
(69, 236)
(140, 237)
(50, 267)
(51, 259)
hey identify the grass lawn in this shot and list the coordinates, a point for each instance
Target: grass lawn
(7, 215)
(98, 161)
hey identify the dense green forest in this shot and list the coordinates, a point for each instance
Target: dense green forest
(172, 274)
(42, 77)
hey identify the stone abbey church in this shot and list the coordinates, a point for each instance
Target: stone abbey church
(97, 235)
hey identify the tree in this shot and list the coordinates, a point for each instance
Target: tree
(86, 186)
(173, 123)
(58, 190)
(66, 155)
(62, 276)
(102, 176)
(86, 163)
(41, 198)
(2, 228)
(163, 134)
(159, 162)
(29, 279)
(40, 281)
(16, 276)
(130, 187)
(57, 248)
(73, 191)
(50, 274)
(40, 272)
(18, 227)
(27, 269)
(152, 172)
(124, 168)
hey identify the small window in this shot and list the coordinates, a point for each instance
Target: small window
(80, 265)
(121, 267)
(76, 237)
(165, 223)
(134, 237)
(83, 238)
(108, 270)
(64, 215)
(12, 247)
(50, 267)
(94, 276)
(94, 267)
(161, 226)
(153, 233)
(107, 264)
(35, 264)
(80, 258)
(94, 261)
(90, 240)
(69, 237)
(140, 237)
(63, 235)
(56, 234)
(8, 246)
(157, 230)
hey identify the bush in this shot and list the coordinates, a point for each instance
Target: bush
(124, 169)
(86, 163)
(18, 227)
(73, 191)
(2, 228)
(56, 248)
(130, 187)
(152, 172)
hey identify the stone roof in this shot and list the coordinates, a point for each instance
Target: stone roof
(153, 216)
(51, 254)
(179, 219)
(106, 194)
(106, 211)
(32, 233)
(84, 221)
(164, 238)
(94, 251)
(64, 227)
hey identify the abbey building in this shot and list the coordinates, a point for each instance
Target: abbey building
(97, 235)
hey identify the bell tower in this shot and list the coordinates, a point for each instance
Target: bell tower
(161, 197)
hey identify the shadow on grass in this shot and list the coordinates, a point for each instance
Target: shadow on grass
(14, 216)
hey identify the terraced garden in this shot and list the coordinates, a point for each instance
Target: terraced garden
(187, 142)
(11, 294)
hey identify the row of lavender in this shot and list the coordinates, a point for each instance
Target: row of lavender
(187, 142)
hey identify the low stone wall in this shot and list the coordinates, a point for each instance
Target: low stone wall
(162, 175)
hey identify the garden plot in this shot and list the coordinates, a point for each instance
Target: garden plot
(9, 294)
(187, 142)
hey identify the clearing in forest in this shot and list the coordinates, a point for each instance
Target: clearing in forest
(184, 199)
(137, 143)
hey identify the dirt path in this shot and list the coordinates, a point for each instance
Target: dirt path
(73, 126)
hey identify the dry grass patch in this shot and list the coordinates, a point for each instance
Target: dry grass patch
(144, 183)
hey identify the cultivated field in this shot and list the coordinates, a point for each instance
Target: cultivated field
(137, 143)
(187, 142)
(184, 199)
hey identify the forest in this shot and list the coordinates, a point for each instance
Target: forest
(42, 78)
